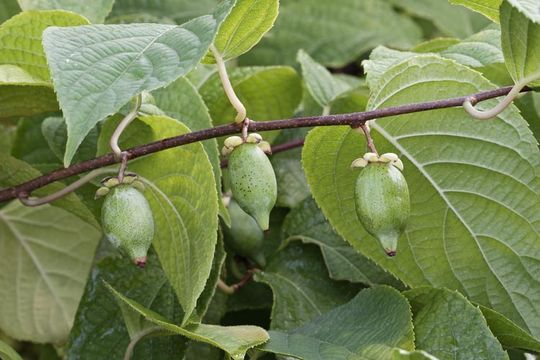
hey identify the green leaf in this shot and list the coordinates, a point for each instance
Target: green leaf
(96, 11)
(509, 334)
(529, 105)
(21, 95)
(235, 340)
(464, 170)
(334, 33)
(8, 8)
(522, 57)
(367, 327)
(435, 45)
(99, 331)
(483, 52)
(54, 131)
(301, 286)
(307, 223)
(98, 68)
(244, 27)
(320, 83)
(400, 354)
(450, 20)
(209, 291)
(178, 11)
(30, 146)
(181, 101)
(182, 195)
(292, 183)
(20, 39)
(25, 87)
(529, 8)
(7, 353)
(448, 326)
(268, 93)
(489, 8)
(46, 266)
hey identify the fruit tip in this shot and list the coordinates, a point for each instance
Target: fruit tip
(140, 262)
(391, 253)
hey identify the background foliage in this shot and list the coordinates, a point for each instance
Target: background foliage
(465, 283)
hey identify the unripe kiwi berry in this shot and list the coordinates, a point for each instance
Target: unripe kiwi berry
(253, 182)
(382, 203)
(127, 221)
(246, 237)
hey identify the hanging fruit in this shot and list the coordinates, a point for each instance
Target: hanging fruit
(127, 218)
(382, 198)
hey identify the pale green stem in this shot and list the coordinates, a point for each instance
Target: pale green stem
(65, 191)
(122, 126)
(500, 107)
(227, 86)
(129, 351)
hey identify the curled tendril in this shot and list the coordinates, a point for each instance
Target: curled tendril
(468, 104)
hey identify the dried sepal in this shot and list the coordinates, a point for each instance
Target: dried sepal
(254, 138)
(110, 182)
(102, 191)
(371, 157)
(139, 185)
(359, 163)
(265, 146)
(225, 151)
(398, 164)
(233, 141)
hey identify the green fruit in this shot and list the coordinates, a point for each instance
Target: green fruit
(127, 222)
(246, 237)
(382, 203)
(253, 182)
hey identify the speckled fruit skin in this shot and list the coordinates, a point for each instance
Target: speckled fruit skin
(246, 237)
(253, 182)
(382, 203)
(127, 221)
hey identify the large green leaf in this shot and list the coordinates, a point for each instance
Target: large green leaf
(448, 326)
(475, 190)
(244, 27)
(509, 334)
(30, 146)
(8, 8)
(523, 56)
(367, 327)
(20, 39)
(7, 352)
(235, 340)
(96, 10)
(54, 131)
(307, 223)
(301, 286)
(268, 93)
(99, 331)
(25, 87)
(181, 101)
(489, 8)
(333, 32)
(450, 20)
(97, 69)
(529, 105)
(178, 11)
(47, 253)
(323, 87)
(529, 8)
(182, 194)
